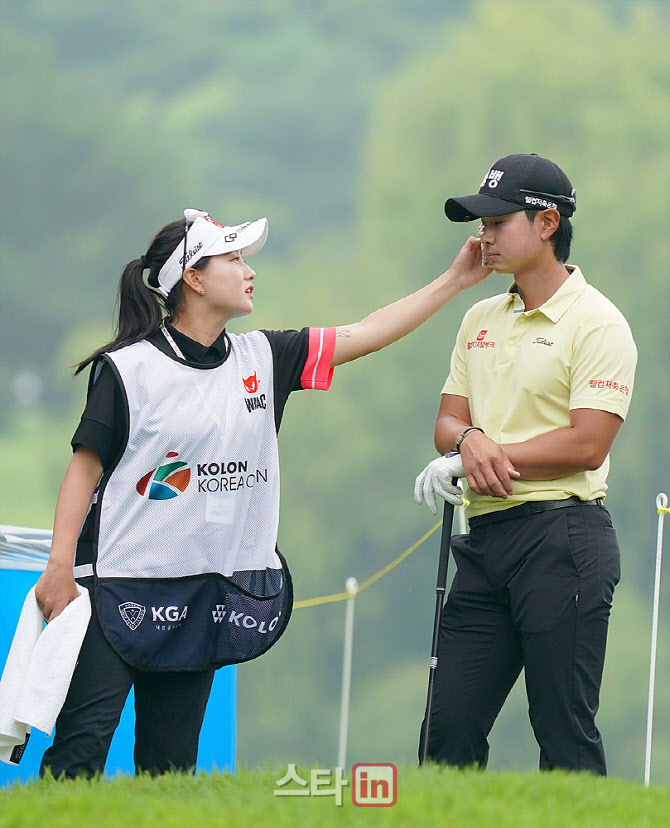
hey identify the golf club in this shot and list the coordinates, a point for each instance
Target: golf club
(445, 542)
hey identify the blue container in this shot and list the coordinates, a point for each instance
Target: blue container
(217, 738)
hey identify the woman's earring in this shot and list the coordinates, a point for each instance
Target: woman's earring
(202, 291)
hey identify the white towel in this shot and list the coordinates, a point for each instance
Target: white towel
(38, 670)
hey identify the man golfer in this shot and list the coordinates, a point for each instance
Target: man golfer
(541, 379)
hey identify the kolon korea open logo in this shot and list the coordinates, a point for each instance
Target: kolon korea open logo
(167, 481)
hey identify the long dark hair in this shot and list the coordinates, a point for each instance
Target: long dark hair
(140, 310)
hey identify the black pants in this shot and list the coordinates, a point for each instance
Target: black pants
(531, 592)
(169, 709)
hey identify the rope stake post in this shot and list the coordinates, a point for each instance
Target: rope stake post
(662, 509)
(352, 590)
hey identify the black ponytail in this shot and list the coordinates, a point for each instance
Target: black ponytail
(140, 310)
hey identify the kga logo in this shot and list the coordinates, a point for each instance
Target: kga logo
(168, 618)
(250, 383)
(374, 785)
(166, 481)
(172, 614)
(132, 614)
(481, 335)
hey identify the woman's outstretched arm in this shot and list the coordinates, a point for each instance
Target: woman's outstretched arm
(391, 323)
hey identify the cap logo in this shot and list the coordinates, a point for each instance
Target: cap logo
(540, 202)
(492, 178)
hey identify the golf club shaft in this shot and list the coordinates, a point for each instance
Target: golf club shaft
(445, 542)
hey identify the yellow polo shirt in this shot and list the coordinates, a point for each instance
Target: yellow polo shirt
(522, 373)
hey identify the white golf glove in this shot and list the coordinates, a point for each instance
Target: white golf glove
(436, 478)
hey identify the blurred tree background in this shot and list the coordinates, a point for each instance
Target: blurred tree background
(347, 124)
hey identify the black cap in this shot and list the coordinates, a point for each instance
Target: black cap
(516, 182)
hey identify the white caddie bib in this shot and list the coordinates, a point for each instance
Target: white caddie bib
(187, 572)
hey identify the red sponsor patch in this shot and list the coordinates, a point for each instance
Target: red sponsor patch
(609, 384)
(481, 341)
(250, 383)
(211, 221)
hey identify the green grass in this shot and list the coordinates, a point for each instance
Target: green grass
(431, 796)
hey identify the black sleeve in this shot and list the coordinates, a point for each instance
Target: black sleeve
(103, 424)
(289, 355)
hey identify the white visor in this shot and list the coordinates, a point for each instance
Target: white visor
(206, 237)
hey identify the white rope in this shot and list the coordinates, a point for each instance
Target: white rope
(662, 508)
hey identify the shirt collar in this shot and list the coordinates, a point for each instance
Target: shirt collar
(558, 304)
(197, 352)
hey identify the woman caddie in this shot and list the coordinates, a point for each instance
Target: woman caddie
(169, 508)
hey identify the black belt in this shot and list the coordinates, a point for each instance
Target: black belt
(530, 508)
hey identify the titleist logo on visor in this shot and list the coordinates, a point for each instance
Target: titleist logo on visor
(190, 253)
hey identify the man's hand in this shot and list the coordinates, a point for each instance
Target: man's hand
(487, 468)
(436, 479)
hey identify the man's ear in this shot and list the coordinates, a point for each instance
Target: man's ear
(548, 221)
